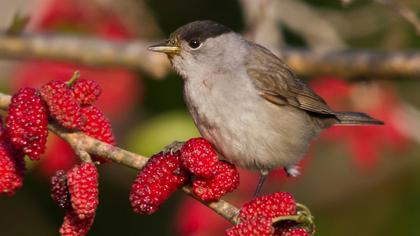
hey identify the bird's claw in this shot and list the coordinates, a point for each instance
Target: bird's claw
(235, 216)
(172, 148)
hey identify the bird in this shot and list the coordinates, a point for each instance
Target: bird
(246, 101)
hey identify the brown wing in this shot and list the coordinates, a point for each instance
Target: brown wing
(278, 84)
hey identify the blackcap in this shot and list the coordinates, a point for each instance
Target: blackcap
(246, 101)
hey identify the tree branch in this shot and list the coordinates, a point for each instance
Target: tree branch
(84, 50)
(368, 64)
(85, 144)
(134, 55)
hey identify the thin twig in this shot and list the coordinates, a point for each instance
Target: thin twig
(83, 143)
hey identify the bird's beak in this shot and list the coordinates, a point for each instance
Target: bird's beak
(165, 48)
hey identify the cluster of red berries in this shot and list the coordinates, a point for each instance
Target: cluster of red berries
(69, 104)
(258, 217)
(77, 193)
(72, 107)
(211, 178)
(164, 173)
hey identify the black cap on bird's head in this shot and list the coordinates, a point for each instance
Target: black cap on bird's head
(200, 30)
(193, 33)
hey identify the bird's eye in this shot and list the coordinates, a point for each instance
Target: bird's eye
(194, 43)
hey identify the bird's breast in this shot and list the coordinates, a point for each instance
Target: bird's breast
(246, 129)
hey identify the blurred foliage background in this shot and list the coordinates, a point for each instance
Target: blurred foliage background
(356, 180)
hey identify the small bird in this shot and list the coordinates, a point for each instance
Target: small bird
(246, 101)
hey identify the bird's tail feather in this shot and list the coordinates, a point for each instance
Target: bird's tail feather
(356, 118)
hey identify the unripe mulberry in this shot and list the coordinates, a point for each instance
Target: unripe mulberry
(159, 178)
(59, 190)
(82, 181)
(61, 104)
(27, 122)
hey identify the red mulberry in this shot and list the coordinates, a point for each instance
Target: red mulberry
(86, 92)
(158, 179)
(82, 181)
(199, 157)
(74, 226)
(27, 123)
(97, 126)
(271, 206)
(61, 104)
(226, 179)
(12, 168)
(254, 227)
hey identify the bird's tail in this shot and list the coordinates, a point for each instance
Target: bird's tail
(356, 118)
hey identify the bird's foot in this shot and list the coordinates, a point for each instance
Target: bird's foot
(292, 171)
(263, 176)
(235, 216)
(172, 148)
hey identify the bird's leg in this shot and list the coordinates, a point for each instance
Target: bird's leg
(173, 147)
(263, 176)
(261, 180)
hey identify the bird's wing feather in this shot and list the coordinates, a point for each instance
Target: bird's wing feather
(279, 85)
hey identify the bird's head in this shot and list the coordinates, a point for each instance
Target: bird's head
(200, 45)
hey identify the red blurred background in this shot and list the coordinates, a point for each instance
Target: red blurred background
(355, 179)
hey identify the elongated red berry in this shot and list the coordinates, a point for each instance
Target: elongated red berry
(199, 157)
(27, 122)
(97, 126)
(12, 167)
(271, 206)
(82, 181)
(296, 231)
(86, 92)
(61, 104)
(225, 180)
(59, 190)
(254, 227)
(159, 178)
(74, 226)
